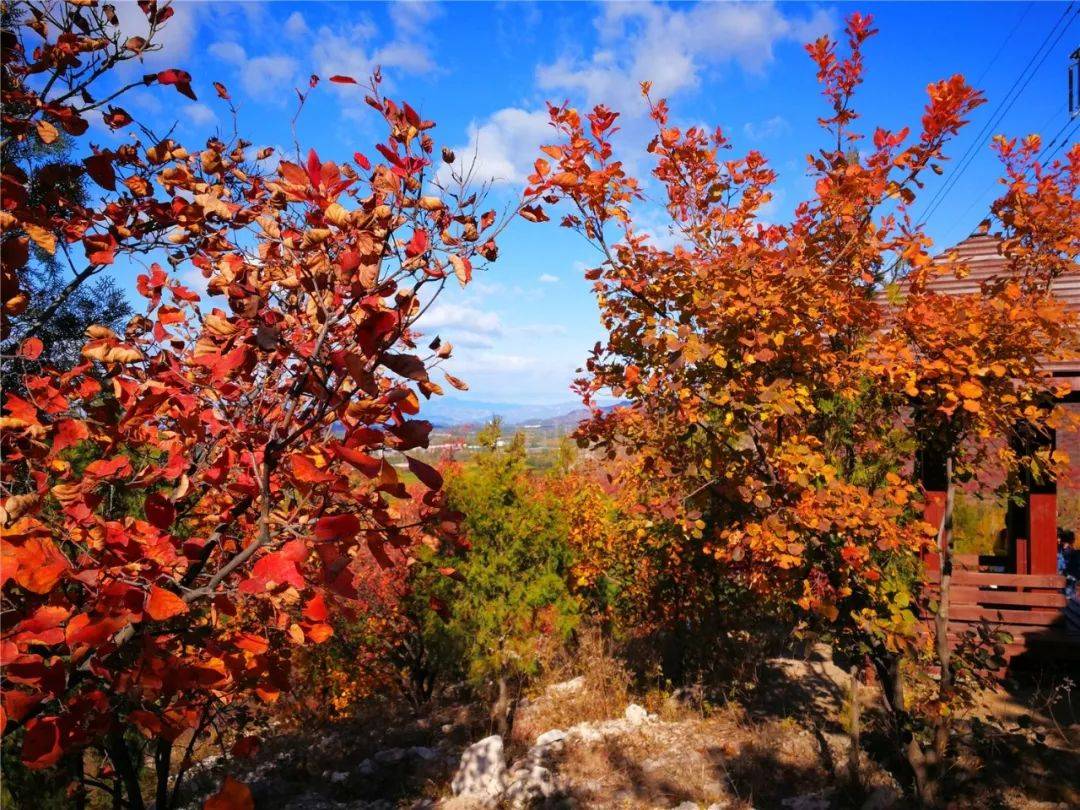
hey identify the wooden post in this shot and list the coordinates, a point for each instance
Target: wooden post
(1032, 523)
(932, 473)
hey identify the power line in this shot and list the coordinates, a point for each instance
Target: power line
(1001, 48)
(1015, 91)
(981, 195)
(1067, 139)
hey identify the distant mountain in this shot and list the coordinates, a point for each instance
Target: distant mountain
(453, 411)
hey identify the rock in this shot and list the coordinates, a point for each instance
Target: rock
(338, 777)
(567, 687)
(424, 753)
(819, 651)
(529, 785)
(587, 732)
(556, 735)
(883, 798)
(686, 806)
(391, 756)
(482, 771)
(366, 767)
(809, 801)
(635, 715)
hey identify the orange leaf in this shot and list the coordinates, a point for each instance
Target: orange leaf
(162, 604)
(31, 349)
(232, 796)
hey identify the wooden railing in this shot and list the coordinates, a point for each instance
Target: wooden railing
(1032, 608)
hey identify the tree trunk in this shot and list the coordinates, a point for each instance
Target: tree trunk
(941, 621)
(854, 730)
(892, 688)
(162, 767)
(500, 712)
(120, 755)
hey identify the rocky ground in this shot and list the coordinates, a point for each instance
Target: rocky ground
(785, 747)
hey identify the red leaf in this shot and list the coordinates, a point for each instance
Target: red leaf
(378, 550)
(68, 433)
(279, 568)
(159, 511)
(246, 747)
(113, 468)
(336, 527)
(162, 604)
(221, 91)
(368, 465)
(314, 168)
(343, 80)
(99, 167)
(361, 161)
(305, 471)
(418, 244)
(425, 472)
(42, 743)
(315, 610)
(180, 79)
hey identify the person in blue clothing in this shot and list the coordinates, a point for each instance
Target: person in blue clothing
(1068, 560)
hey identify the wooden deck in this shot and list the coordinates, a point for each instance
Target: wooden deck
(1032, 608)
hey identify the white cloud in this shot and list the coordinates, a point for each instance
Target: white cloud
(541, 329)
(175, 36)
(481, 362)
(547, 278)
(198, 114)
(475, 320)
(296, 26)
(504, 147)
(471, 340)
(769, 128)
(672, 46)
(264, 78)
(269, 78)
(229, 52)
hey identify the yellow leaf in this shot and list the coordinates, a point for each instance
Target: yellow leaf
(46, 131)
(970, 390)
(44, 239)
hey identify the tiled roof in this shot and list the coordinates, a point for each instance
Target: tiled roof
(981, 253)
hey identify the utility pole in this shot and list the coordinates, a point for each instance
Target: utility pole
(1074, 84)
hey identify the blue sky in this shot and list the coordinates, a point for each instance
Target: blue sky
(484, 70)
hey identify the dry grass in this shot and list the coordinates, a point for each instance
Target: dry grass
(604, 693)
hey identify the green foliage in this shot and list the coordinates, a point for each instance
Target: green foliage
(512, 595)
(978, 524)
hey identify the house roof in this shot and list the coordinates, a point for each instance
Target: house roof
(981, 253)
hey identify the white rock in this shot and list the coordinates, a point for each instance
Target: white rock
(635, 715)
(686, 806)
(338, 777)
(529, 785)
(549, 737)
(482, 771)
(566, 687)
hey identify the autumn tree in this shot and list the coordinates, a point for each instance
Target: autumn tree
(973, 366)
(512, 593)
(185, 506)
(772, 384)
